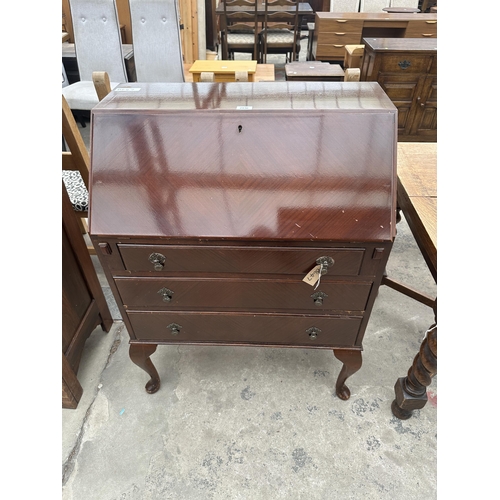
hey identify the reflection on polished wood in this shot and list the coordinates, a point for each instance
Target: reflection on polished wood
(211, 171)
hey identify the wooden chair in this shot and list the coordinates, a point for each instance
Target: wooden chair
(101, 83)
(352, 75)
(280, 34)
(353, 56)
(241, 29)
(75, 168)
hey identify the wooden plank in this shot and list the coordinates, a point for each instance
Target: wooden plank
(188, 12)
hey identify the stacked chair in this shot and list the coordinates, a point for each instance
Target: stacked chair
(281, 32)
(98, 47)
(241, 30)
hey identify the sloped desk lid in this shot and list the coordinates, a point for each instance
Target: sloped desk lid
(308, 161)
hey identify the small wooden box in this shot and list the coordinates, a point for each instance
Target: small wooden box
(224, 71)
(314, 71)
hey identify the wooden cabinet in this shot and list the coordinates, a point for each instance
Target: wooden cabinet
(83, 304)
(210, 205)
(333, 30)
(407, 71)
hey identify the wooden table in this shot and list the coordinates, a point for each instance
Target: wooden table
(263, 73)
(334, 30)
(224, 71)
(314, 71)
(417, 199)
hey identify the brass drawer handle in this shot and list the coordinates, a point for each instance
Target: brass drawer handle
(338, 45)
(428, 34)
(175, 328)
(166, 294)
(340, 34)
(318, 298)
(158, 260)
(313, 332)
(341, 20)
(404, 64)
(431, 22)
(324, 262)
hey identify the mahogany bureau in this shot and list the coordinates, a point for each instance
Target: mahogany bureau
(211, 202)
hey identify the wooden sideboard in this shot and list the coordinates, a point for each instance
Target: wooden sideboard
(210, 204)
(406, 68)
(334, 30)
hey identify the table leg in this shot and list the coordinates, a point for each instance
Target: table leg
(352, 363)
(411, 391)
(139, 354)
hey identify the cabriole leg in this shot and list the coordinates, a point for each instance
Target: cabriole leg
(352, 363)
(139, 354)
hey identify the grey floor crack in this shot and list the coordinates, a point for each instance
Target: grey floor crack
(69, 464)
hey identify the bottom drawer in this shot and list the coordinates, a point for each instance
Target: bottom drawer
(330, 51)
(245, 328)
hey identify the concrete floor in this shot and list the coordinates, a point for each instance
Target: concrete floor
(256, 423)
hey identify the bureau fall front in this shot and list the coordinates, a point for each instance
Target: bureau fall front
(244, 214)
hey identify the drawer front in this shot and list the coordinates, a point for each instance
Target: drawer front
(405, 63)
(258, 260)
(339, 38)
(310, 331)
(421, 29)
(238, 294)
(334, 52)
(343, 25)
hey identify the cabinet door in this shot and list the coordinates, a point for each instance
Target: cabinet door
(425, 121)
(403, 91)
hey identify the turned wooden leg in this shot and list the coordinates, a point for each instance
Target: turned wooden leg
(352, 363)
(139, 354)
(410, 391)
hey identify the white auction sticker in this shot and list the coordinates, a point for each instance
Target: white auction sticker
(127, 89)
(243, 108)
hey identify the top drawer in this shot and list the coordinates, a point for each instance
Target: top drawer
(418, 29)
(340, 25)
(233, 259)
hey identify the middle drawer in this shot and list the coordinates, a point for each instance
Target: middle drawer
(242, 293)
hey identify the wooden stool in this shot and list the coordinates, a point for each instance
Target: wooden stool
(353, 56)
